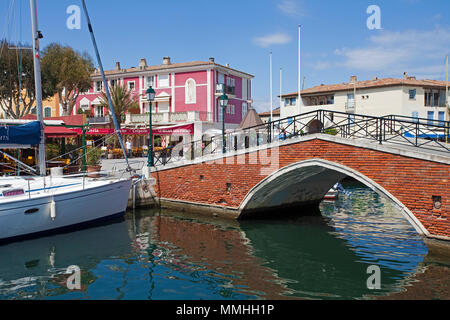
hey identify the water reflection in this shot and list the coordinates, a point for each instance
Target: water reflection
(149, 255)
(36, 268)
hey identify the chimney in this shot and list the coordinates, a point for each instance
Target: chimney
(375, 79)
(227, 65)
(117, 65)
(353, 79)
(405, 75)
(142, 64)
(211, 60)
(412, 78)
(166, 61)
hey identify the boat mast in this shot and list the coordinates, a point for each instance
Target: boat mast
(37, 79)
(105, 84)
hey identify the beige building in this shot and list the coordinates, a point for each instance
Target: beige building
(377, 97)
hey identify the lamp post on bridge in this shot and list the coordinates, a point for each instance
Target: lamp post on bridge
(150, 97)
(223, 105)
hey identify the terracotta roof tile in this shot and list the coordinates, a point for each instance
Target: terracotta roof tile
(275, 112)
(376, 83)
(168, 66)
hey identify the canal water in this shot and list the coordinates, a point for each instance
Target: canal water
(164, 255)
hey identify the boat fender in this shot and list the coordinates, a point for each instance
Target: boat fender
(53, 209)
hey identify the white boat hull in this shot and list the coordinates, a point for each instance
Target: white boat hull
(331, 195)
(33, 215)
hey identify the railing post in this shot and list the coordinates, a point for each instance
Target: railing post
(294, 119)
(417, 134)
(381, 131)
(322, 121)
(192, 150)
(83, 157)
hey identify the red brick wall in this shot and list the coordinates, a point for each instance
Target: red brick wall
(412, 181)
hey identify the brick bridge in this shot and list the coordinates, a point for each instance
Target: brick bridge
(298, 166)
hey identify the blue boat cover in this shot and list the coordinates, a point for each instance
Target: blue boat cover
(27, 134)
(425, 135)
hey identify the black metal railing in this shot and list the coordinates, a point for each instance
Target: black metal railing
(391, 130)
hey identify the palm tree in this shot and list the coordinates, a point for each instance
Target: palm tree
(122, 99)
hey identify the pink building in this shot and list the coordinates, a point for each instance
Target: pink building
(185, 92)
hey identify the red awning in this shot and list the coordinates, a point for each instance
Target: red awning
(186, 129)
(59, 132)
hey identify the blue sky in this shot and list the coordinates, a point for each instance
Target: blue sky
(336, 43)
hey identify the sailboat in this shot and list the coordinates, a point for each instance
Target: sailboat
(33, 205)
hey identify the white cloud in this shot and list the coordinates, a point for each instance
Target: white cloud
(263, 105)
(322, 65)
(272, 39)
(421, 52)
(290, 8)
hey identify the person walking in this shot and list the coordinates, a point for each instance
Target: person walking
(129, 148)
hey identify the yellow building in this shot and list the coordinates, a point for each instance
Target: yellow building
(50, 107)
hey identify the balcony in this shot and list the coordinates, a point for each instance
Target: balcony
(99, 120)
(169, 117)
(230, 91)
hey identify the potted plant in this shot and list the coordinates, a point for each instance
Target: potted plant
(93, 157)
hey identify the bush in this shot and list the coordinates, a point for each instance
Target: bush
(52, 151)
(331, 131)
(86, 112)
(93, 156)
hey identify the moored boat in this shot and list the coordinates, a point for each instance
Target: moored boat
(36, 204)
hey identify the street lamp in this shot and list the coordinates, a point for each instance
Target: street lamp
(150, 97)
(223, 105)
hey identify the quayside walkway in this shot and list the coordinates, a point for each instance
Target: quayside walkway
(295, 161)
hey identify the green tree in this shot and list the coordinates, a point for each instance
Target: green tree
(122, 99)
(67, 73)
(17, 88)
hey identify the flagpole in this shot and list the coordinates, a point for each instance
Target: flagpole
(299, 71)
(281, 87)
(271, 89)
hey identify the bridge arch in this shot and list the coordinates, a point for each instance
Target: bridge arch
(307, 182)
